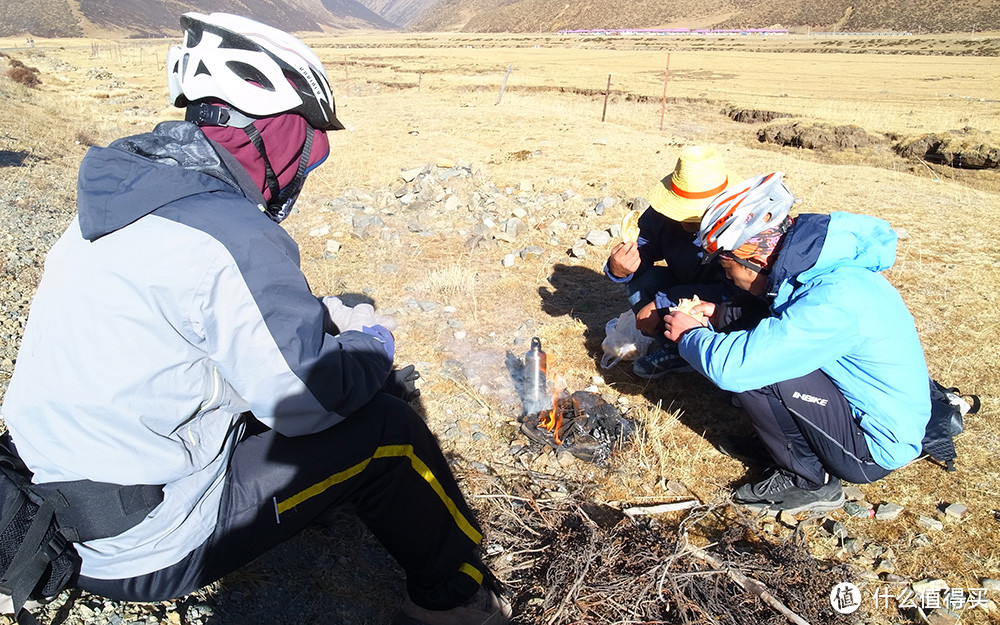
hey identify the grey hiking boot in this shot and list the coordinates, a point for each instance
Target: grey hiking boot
(778, 492)
(661, 362)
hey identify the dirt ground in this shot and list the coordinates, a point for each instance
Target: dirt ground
(554, 528)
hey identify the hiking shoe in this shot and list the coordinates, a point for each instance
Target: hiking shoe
(778, 492)
(661, 362)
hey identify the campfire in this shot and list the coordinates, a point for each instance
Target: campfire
(581, 423)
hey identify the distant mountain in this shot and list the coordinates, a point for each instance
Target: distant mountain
(400, 12)
(828, 15)
(157, 18)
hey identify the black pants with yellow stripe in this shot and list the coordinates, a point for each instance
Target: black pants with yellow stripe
(382, 460)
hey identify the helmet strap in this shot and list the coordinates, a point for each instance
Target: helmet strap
(295, 185)
(270, 178)
(207, 114)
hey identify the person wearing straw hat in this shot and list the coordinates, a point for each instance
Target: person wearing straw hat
(667, 231)
(834, 379)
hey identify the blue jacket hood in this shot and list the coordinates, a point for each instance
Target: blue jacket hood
(135, 176)
(818, 244)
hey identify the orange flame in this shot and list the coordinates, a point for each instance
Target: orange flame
(553, 420)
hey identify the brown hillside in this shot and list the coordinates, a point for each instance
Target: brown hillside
(157, 18)
(834, 15)
(40, 18)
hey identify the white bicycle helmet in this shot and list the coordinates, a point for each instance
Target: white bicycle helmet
(256, 69)
(743, 211)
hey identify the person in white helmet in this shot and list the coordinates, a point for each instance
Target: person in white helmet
(834, 379)
(174, 343)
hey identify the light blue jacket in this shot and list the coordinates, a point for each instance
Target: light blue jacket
(834, 311)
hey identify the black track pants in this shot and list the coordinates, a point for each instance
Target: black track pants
(383, 460)
(809, 429)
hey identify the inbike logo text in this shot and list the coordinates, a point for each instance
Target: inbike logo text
(819, 401)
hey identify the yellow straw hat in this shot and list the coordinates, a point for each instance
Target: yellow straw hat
(698, 176)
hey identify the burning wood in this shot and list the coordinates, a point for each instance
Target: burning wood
(581, 423)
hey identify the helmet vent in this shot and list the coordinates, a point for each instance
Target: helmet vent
(192, 37)
(201, 69)
(238, 43)
(250, 73)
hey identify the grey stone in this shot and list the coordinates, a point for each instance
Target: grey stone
(409, 175)
(855, 509)
(990, 584)
(578, 251)
(787, 518)
(956, 511)
(941, 616)
(888, 512)
(851, 545)
(853, 493)
(835, 528)
(361, 221)
(930, 523)
(515, 226)
(598, 237)
(640, 204)
(508, 260)
(531, 252)
(929, 585)
(604, 204)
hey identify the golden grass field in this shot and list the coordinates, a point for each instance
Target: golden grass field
(409, 100)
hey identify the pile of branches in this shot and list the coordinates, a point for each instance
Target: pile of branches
(571, 562)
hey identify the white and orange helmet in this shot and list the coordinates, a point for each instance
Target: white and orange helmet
(744, 211)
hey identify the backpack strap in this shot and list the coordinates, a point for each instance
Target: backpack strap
(93, 509)
(99, 509)
(35, 553)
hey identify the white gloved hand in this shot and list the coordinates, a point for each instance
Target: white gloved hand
(341, 318)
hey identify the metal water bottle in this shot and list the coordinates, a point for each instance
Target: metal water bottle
(535, 392)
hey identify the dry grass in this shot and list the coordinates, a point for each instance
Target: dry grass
(412, 100)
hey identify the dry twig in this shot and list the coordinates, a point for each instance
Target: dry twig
(747, 583)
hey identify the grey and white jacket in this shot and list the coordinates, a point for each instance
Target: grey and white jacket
(171, 305)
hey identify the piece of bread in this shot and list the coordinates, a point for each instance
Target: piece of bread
(685, 305)
(630, 227)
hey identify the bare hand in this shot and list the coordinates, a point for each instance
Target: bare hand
(677, 323)
(708, 309)
(624, 259)
(648, 320)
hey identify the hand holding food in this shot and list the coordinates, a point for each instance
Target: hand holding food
(686, 306)
(630, 227)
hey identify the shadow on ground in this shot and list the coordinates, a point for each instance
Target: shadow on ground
(592, 299)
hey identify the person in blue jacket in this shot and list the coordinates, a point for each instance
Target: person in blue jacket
(834, 379)
(174, 342)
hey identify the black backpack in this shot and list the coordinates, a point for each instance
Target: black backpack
(40, 522)
(947, 412)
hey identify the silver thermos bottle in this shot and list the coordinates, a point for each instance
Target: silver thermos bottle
(536, 395)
